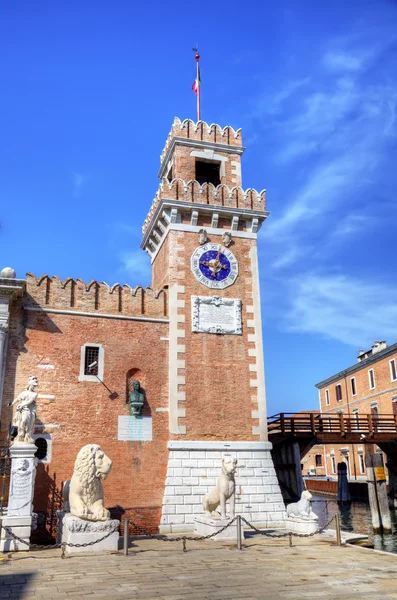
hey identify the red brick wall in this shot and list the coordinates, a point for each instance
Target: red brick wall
(218, 393)
(83, 410)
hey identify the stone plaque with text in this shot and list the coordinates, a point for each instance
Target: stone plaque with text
(133, 428)
(216, 315)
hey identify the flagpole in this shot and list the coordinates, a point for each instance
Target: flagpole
(199, 86)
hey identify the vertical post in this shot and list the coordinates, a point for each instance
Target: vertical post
(343, 484)
(380, 483)
(370, 425)
(282, 422)
(337, 528)
(342, 424)
(198, 86)
(312, 424)
(126, 529)
(392, 483)
(238, 532)
(372, 495)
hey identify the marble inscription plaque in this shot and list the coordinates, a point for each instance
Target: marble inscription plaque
(135, 428)
(216, 315)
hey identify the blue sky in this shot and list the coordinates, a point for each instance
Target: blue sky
(89, 92)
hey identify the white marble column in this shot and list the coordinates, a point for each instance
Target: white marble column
(20, 500)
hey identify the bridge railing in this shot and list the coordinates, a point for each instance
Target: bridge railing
(315, 423)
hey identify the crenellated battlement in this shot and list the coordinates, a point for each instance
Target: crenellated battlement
(221, 195)
(204, 132)
(94, 297)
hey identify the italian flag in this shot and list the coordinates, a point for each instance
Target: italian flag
(197, 83)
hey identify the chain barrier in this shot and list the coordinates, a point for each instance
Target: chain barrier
(181, 538)
(61, 545)
(162, 538)
(288, 533)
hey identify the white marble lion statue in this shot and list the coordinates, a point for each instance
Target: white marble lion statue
(302, 509)
(224, 490)
(84, 494)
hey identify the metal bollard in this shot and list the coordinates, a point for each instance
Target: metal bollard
(338, 533)
(290, 539)
(238, 532)
(126, 527)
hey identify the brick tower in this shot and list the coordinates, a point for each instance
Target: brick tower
(201, 235)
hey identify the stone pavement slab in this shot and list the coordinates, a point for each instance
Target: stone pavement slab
(313, 568)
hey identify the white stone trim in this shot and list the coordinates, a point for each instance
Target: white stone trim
(213, 445)
(79, 313)
(256, 323)
(195, 229)
(175, 364)
(101, 360)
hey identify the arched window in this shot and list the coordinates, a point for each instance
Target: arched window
(42, 448)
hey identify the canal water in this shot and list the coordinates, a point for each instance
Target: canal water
(356, 517)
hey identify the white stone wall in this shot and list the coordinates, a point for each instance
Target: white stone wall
(193, 468)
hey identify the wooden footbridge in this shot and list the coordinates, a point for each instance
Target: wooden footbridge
(293, 434)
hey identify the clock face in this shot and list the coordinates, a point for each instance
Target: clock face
(214, 266)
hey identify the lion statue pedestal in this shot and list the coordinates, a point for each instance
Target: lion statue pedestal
(300, 517)
(213, 521)
(84, 518)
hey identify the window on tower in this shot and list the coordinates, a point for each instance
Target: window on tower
(208, 172)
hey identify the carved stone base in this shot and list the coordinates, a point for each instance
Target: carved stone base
(79, 531)
(299, 525)
(207, 525)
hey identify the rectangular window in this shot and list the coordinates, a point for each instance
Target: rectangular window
(338, 389)
(393, 372)
(208, 172)
(371, 378)
(319, 460)
(362, 463)
(91, 358)
(327, 403)
(353, 384)
(333, 463)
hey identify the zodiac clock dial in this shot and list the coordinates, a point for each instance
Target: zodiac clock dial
(214, 266)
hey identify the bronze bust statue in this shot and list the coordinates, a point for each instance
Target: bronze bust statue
(136, 398)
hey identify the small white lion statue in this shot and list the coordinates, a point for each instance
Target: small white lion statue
(84, 494)
(224, 490)
(302, 509)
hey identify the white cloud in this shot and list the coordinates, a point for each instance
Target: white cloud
(343, 61)
(79, 180)
(346, 309)
(137, 265)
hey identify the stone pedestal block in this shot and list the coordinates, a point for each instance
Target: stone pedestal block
(78, 531)
(206, 525)
(20, 526)
(19, 511)
(300, 525)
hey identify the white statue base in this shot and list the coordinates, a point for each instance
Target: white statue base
(20, 511)
(79, 531)
(206, 525)
(301, 525)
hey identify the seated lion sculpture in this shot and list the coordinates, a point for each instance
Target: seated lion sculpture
(84, 494)
(224, 490)
(302, 509)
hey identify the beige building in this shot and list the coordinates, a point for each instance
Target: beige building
(367, 387)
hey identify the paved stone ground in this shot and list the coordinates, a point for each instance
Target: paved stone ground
(154, 570)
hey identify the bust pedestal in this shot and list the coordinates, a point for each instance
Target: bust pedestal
(19, 511)
(204, 525)
(79, 531)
